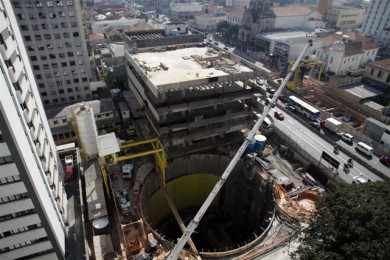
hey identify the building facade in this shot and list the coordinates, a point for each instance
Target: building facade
(324, 6)
(56, 46)
(377, 23)
(379, 71)
(257, 18)
(346, 17)
(297, 17)
(32, 199)
(346, 53)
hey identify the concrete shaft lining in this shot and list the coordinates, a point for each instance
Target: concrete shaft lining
(237, 218)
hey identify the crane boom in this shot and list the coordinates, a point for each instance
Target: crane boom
(174, 254)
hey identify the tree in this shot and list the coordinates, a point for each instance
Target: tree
(353, 223)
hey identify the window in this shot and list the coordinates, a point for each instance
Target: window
(38, 76)
(43, 57)
(61, 55)
(54, 65)
(38, 37)
(66, 35)
(52, 15)
(24, 27)
(42, 15)
(379, 74)
(27, 38)
(64, 64)
(69, 90)
(59, 83)
(41, 48)
(33, 58)
(49, 3)
(69, 3)
(46, 66)
(84, 79)
(73, 24)
(61, 14)
(57, 36)
(76, 80)
(70, 54)
(52, 56)
(44, 94)
(35, 27)
(64, 25)
(36, 67)
(47, 36)
(68, 81)
(59, 3)
(72, 63)
(76, 34)
(61, 91)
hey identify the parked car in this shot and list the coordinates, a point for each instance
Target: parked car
(291, 108)
(385, 159)
(279, 115)
(68, 168)
(348, 138)
(361, 179)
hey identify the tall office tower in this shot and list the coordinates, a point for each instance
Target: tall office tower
(257, 18)
(377, 23)
(57, 48)
(324, 6)
(32, 199)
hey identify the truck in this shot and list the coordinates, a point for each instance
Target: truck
(333, 125)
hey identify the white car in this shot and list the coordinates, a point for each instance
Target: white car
(360, 179)
(348, 138)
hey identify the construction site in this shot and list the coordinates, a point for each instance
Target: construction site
(192, 107)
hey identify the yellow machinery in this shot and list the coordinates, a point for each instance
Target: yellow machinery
(306, 67)
(156, 150)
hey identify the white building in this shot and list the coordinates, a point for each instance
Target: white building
(32, 199)
(55, 42)
(377, 23)
(345, 53)
(345, 17)
(237, 3)
(296, 40)
(234, 16)
(297, 17)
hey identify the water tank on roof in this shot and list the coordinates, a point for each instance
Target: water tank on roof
(86, 129)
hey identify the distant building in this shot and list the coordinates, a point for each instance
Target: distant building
(346, 53)
(234, 16)
(324, 6)
(297, 17)
(258, 18)
(239, 4)
(54, 37)
(185, 10)
(378, 131)
(377, 23)
(379, 71)
(345, 17)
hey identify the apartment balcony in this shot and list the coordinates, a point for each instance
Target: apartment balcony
(8, 49)
(15, 70)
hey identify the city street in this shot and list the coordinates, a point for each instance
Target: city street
(315, 145)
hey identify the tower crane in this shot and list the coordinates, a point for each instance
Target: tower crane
(175, 252)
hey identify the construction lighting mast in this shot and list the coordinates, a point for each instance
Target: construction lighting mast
(174, 254)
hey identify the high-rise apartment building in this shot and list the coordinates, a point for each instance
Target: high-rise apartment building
(32, 199)
(56, 46)
(377, 23)
(324, 6)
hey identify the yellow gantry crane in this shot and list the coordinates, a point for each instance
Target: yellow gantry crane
(154, 148)
(313, 68)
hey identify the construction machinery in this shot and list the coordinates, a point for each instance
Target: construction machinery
(308, 67)
(194, 223)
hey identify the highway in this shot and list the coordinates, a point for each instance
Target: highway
(315, 145)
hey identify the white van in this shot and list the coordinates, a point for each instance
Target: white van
(365, 149)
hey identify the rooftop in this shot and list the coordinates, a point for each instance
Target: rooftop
(292, 10)
(98, 106)
(363, 91)
(280, 36)
(187, 64)
(381, 64)
(366, 43)
(374, 105)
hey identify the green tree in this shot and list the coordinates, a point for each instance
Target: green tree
(353, 223)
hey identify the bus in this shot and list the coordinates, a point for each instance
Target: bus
(304, 108)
